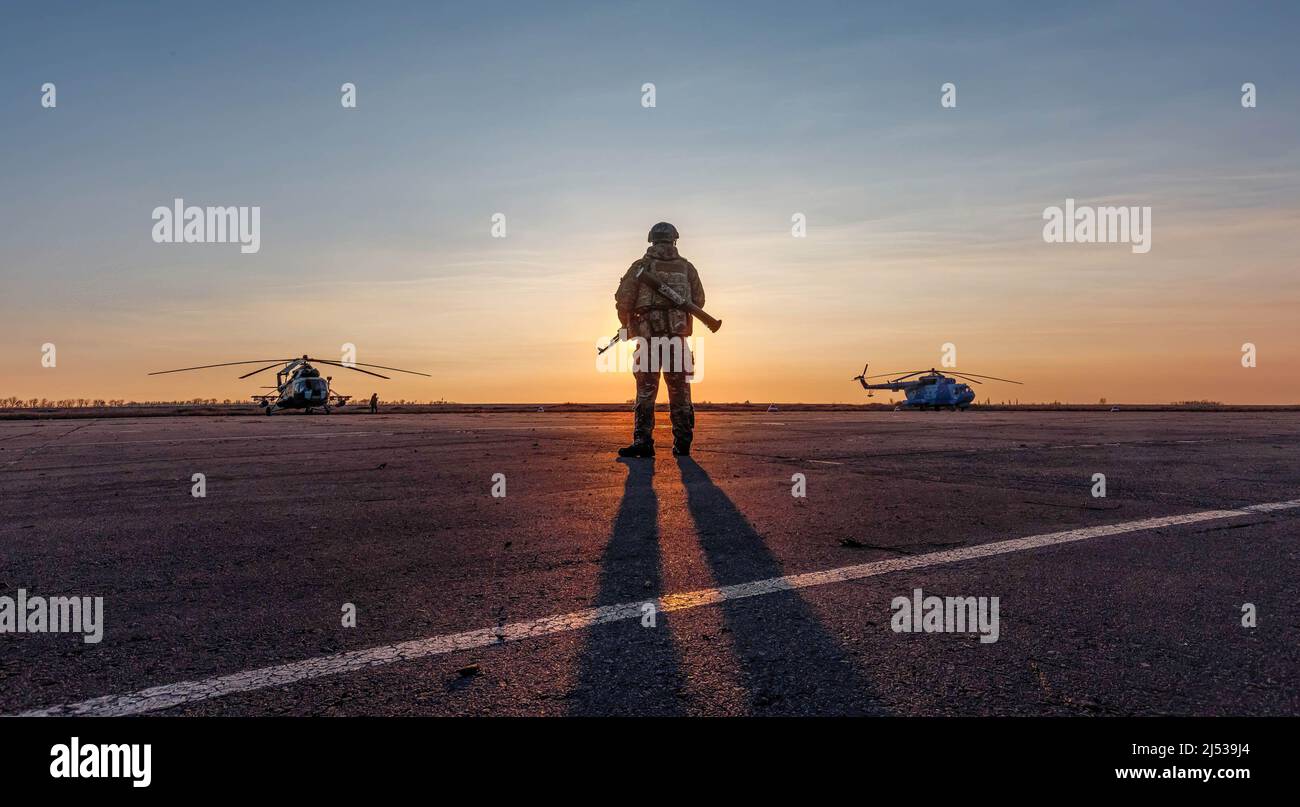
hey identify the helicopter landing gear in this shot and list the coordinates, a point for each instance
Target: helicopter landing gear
(327, 410)
(270, 409)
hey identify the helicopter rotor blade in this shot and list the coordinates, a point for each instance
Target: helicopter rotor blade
(264, 369)
(355, 364)
(223, 364)
(901, 374)
(990, 377)
(909, 375)
(964, 378)
(346, 367)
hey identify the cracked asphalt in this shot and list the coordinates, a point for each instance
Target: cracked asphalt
(395, 515)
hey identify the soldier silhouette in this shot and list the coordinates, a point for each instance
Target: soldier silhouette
(651, 318)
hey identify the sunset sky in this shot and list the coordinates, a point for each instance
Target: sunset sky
(924, 223)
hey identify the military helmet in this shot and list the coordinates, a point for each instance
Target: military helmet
(663, 231)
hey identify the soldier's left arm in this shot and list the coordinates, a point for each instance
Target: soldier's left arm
(697, 288)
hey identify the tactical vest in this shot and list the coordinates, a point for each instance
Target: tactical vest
(658, 316)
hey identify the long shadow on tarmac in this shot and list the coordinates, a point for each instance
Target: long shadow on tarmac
(626, 668)
(791, 664)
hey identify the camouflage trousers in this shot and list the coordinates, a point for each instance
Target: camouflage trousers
(680, 410)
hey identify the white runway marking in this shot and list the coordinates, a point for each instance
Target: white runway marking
(169, 695)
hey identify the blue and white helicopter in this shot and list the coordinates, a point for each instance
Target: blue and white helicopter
(928, 389)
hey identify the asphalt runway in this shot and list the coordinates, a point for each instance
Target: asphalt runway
(538, 602)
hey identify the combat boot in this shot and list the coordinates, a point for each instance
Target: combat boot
(637, 450)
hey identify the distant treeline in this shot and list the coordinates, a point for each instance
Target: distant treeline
(13, 402)
(99, 403)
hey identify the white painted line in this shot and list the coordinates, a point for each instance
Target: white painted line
(1270, 507)
(169, 695)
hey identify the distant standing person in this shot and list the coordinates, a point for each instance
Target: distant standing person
(374, 403)
(648, 314)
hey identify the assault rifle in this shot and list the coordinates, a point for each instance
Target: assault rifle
(647, 276)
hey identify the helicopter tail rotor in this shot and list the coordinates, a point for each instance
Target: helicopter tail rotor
(862, 379)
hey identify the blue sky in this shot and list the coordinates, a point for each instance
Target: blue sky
(375, 220)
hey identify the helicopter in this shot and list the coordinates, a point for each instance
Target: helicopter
(299, 385)
(930, 389)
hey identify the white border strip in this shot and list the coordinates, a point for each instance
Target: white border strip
(170, 695)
